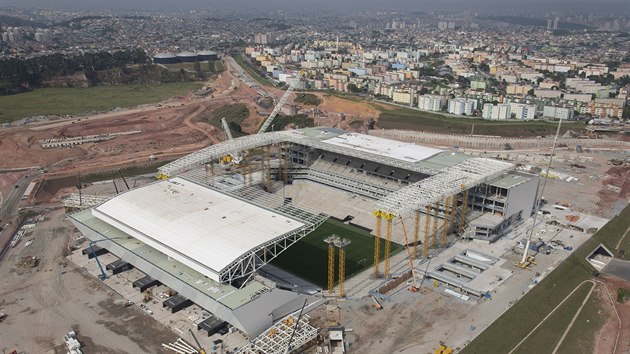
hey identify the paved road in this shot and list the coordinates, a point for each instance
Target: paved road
(8, 210)
(619, 269)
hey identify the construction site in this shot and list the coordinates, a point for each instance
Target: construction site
(318, 240)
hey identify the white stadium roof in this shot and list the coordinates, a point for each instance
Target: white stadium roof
(204, 229)
(393, 149)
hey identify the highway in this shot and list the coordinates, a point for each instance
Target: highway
(8, 209)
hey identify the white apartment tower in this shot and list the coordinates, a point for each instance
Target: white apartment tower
(431, 102)
(461, 106)
(500, 111)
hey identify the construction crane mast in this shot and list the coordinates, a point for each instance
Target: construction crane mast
(279, 105)
(226, 129)
(232, 157)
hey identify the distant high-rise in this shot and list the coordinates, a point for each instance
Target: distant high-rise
(13, 34)
(549, 24)
(555, 23)
(263, 38)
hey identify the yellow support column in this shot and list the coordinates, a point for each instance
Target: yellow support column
(342, 269)
(331, 268)
(427, 231)
(436, 208)
(462, 220)
(330, 240)
(416, 235)
(447, 216)
(377, 248)
(388, 242)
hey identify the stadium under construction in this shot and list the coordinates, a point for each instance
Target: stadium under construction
(219, 215)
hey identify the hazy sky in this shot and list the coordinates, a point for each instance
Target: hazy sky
(503, 6)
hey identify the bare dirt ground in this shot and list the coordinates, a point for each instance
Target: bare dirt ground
(168, 130)
(45, 302)
(354, 112)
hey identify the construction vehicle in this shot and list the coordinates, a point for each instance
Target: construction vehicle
(147, 296)
(201, 349)
(443, 349)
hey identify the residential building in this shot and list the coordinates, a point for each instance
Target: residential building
(499, 111)
(522, 111)
(558, 112)
(431, 102)
(462, 106)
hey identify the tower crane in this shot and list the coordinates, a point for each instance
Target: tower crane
(279, 105)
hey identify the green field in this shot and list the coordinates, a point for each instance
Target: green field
(252, 71)
(405, 118)
(550, 332)
(502, 335)
(234, 114)
(62, 101)
(308, 258)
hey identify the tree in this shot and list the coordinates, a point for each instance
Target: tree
(484, 67)
(353, 88)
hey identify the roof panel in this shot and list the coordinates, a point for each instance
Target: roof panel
(202, 228)
(384, 147)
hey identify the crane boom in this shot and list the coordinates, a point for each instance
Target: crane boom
(278, 106)
(226, 128)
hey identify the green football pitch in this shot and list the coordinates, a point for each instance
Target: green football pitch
(308, 258)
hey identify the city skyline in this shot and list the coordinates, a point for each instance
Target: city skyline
(613, 7)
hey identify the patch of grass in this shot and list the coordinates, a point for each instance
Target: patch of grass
(344, 96)
(252, 71)
(300, 120)
(550, 332)
(62, 101)
(234, 114)
(308, 99)
(623, 295)
(502, 335)
(308, 258)
(218, 65)
(405, 118)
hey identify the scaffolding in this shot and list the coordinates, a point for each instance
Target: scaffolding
(445, 226)
(341, 244)
(377, 248)
(388, 241)
(470, 172)
(290, 331)
(297, 137)
(83, 201)
(330, 240)
(427, 231)
(416, 234)
(464, 212)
